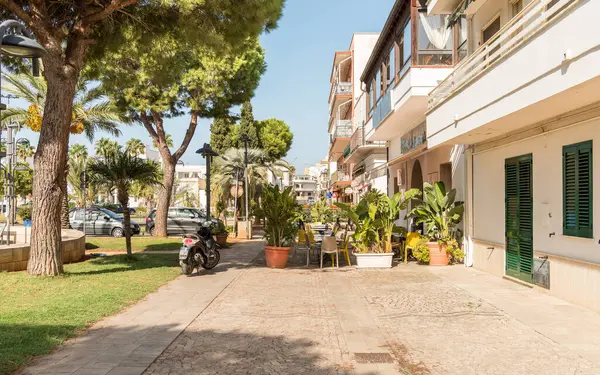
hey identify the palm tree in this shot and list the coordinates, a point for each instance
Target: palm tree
(77, 151)
(134, 147)
(105, 147)
(229, 171)
(91, 112)
(78, 156)
(121, 170)
(24, 151)
(168, 139)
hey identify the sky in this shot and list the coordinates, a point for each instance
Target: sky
(295, 87)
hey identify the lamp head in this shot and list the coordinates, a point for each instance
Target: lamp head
(207, 151)
(244, 138)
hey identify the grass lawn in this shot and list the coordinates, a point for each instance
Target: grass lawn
(138, 243)
(37, 314)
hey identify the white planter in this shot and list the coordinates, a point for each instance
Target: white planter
(374, 260)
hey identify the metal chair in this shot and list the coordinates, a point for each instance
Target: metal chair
(329, 246)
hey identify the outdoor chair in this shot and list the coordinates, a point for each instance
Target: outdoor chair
(412, 240)
(345, 245)
(329, 246)
(312, 245)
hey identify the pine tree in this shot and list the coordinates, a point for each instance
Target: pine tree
(249, 127)
(221, 134)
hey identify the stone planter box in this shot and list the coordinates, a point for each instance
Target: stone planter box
(374, 260)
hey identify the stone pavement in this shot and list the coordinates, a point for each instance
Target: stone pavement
(412, 320)
(127, 343)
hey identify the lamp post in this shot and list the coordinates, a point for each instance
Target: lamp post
(244, 138)
(207, 152)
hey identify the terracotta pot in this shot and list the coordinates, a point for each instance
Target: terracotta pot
(222, 239)
(277, 257)
(437, 254)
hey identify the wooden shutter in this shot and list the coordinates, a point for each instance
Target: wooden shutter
(578, 190)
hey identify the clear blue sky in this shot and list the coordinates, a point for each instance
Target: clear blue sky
(296, 86)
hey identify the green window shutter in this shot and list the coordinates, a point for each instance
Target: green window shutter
(578, 190)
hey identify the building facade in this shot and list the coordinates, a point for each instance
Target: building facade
(526, 99)
(344, 125)
(414, 52)
(305, 188)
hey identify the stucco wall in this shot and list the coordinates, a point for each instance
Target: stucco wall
(14, 258)
(488, 191)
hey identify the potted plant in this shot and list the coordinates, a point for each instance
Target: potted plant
(375, 217)
(221, 233)
(440, 213)
(280, 212)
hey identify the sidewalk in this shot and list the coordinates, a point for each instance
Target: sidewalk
(127, 343)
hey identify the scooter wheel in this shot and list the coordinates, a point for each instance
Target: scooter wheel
(186, 269)
(212, 263)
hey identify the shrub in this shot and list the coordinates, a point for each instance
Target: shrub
(421, 251)
(24, 212)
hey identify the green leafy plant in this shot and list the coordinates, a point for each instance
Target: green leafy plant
(221, 229)
(320, 212)
(421, 251)
(24, 212)
(281, 213)
(375, 217)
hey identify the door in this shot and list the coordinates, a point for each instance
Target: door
(190, 222)
(174, 224)
(519, 217)
(102, 226)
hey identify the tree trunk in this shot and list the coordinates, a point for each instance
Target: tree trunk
(64, 211)
(45, 257)
(124, 201)
(164, 198)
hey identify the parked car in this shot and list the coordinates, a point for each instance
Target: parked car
(181, 220)
(99, 222)
(117, 208)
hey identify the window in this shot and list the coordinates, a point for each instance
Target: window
(488, 33)
(517, 6)
(578, 190)
(378, 85)
(404, 49)
(461, 49)
(434, 40)
(391, 66)
(78, 215)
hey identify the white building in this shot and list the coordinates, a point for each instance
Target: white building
(346, 121)
(305, 187)
(527, 101)
(191, 179)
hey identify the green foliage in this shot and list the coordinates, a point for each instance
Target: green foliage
(281, 214)
(249, 127)
(23, 180)
(135, 147)
(276, 138)
(453, 249)
(320, 212)
(438, 211)
(107, 148)
(374, 217)
(221, 137)
(24, 212)
(421, 251)
(221, 229)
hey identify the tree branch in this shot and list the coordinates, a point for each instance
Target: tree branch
(12, 6)
(189, 134)
(114, 6)
(148, 125)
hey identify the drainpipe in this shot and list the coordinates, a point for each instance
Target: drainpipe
(469, 194)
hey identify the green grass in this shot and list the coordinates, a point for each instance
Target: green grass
(138, 243)
(38, 314)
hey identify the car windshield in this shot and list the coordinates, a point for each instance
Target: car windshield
(111, 214)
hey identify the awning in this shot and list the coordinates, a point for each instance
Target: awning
(409, 155)
(460, 10)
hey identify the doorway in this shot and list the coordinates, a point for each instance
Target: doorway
(519, 217)
(416, 182)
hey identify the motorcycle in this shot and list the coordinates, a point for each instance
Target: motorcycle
(199, 250)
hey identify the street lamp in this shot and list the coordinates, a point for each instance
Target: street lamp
(244, 138)
(207, 152)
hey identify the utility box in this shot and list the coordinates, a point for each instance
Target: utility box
(242, 230)
(541, 272)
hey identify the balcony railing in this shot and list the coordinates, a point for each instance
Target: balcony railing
(382, 108)
(358, 140)
(413, 139)
(340, 88)
(518, 31)
(342, 130)
(340, 176)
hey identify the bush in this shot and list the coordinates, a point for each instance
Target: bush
(421, 251)
(24, 212)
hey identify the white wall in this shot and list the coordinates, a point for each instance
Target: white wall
(362, 46)
(488, 191)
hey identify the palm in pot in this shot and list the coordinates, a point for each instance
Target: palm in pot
(280, 212)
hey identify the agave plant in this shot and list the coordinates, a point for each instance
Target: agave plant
(438, 211)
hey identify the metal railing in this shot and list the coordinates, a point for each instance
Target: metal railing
(382, 108)
(340, 88)
(343, 129)
(413, 139)
(358, 140)
(340, 176)
(514, 34)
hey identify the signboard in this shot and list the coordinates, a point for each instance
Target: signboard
(348, 190)
(236, 191)
(329, 195)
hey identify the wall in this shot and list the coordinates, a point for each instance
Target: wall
(488, 191)
(362, 46)
(14, 257)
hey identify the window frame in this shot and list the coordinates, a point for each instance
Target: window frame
(578, 231)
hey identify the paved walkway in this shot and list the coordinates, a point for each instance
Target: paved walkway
(127, 343)
(414, 320)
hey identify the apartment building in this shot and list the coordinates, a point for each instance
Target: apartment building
(191, 179)
(305, 187)
(414, 53)
(526, 99)
(344, 95)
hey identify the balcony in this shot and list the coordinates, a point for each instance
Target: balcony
(340, 178)
(542, 63)
(340, 137)
(442, 6)
(359, 147)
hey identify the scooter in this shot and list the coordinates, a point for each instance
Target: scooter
(199, 250)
